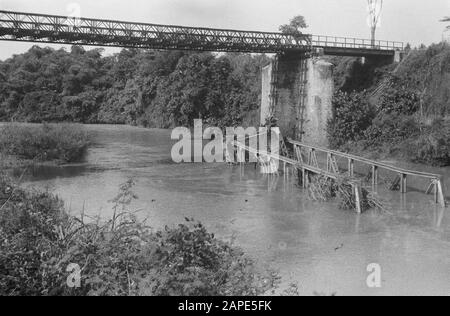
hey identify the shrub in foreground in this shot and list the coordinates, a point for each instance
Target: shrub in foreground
(47, 142)
(39, 241)
(30, 223)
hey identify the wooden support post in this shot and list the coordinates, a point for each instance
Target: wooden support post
(305, 178)
(440, 193)
(358, 197)
(351, 167)
(403, 183)
(329, 162)
(374, 177)
(436, 192)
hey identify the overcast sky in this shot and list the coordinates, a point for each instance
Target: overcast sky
(414, 21)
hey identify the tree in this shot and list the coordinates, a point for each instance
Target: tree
(152, 88)
(375, 8)
(295, 26)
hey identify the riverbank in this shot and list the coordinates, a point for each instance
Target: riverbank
(41, 244)
(25, 145)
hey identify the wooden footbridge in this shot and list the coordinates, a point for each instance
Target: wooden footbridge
(306, 161)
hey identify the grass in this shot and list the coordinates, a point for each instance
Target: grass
(61, 143)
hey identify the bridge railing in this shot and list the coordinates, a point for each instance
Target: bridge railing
(356, 43)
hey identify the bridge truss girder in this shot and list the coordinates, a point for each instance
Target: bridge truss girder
(58, 29)
(16, 26)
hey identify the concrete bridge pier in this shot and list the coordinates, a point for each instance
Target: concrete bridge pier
(298, 92)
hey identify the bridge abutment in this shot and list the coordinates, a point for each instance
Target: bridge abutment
(298, 92)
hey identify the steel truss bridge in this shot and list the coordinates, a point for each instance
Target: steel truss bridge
(17, 26)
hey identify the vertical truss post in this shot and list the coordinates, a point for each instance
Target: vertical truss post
(374, 177)
(403, 183)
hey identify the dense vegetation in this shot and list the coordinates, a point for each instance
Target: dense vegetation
(40, 243)
(40, 143)
(149, 88)
(389, 109)
(397, 110)
(427, 72)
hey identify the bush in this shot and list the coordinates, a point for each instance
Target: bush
(123, 256)
(399, 100)
(391, 129)
(433, 146)
(47, 142)
(352, 116)
(30, 223)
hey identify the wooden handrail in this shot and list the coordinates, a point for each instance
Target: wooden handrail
(368, 161)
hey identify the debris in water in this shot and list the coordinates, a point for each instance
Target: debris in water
(323, 189)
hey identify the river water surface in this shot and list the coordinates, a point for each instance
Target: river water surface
(325, 249)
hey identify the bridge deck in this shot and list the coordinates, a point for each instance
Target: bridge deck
(17, 26)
